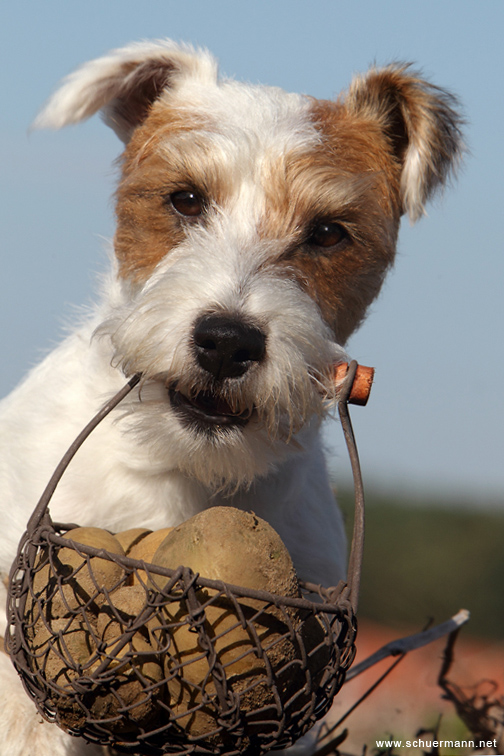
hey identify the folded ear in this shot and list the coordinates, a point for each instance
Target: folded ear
(420, 121)
(124, 84)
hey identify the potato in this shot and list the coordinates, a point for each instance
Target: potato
(125, 605)
(128, 695)
(79, 586)
(137, 669)
(61, 639)
(62, 655)
(62, 649)
(129, 538)
(135, 687)
(145, 549)
(101, 573)
(224, 543)
(78, 630)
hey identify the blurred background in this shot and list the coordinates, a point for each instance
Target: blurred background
(431, 438)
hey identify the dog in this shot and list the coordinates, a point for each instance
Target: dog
(254, 229)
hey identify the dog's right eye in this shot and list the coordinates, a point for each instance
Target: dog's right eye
(187, 203)
(328, 234)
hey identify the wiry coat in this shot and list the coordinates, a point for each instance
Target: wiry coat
(271, 215)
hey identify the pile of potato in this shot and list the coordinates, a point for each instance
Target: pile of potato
(81, 608)
(72, 629)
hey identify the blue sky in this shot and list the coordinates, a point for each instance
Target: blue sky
(436, 415)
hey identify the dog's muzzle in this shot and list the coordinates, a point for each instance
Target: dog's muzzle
(226, 349)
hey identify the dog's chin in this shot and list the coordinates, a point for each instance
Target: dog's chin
(206, 411)
(206, 436)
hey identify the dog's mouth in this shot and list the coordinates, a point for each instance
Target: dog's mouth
(207, 409)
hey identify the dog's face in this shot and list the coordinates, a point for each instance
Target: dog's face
(254, 228)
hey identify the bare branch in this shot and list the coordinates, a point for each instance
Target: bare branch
(410, 643)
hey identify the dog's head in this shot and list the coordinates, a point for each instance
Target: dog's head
(254, 228)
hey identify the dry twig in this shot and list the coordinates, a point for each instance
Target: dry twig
(477, 706)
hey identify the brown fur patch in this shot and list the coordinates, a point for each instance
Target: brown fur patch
(147, 227)
(351, 178)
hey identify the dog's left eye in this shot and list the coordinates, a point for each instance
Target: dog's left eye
(187, 203)
(327, 234)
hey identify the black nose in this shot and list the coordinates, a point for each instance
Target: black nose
(227, 347)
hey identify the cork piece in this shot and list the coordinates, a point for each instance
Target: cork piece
(363, 381)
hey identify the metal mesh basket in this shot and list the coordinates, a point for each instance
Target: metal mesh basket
(150, 660)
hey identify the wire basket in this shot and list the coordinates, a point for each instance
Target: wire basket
(150, 660)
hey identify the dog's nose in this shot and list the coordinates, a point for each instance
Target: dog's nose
(227, 347)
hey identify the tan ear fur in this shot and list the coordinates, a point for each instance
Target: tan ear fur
(422, 123)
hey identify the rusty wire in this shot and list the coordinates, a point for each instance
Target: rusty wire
(180, 664)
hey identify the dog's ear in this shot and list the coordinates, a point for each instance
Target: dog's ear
(421, 122)
(124, 84)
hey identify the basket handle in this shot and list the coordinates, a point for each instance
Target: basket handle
(345, 389)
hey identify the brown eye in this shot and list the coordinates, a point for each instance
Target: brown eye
(327, 234)
(187, 203)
